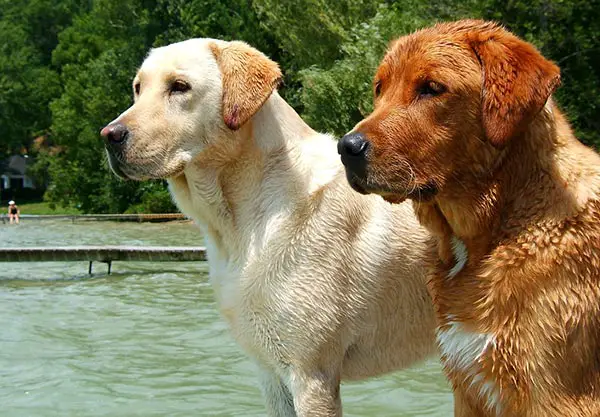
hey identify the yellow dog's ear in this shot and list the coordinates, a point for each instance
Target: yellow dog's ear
(249, 78)
(517, 82)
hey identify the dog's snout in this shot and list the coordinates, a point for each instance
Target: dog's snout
(353, 145)
(115, 134)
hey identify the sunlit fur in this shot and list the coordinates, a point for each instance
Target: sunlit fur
(317, 282)
(517, 195)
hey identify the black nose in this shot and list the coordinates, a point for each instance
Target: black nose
(353, 149)
(353, 145)
(115, 134)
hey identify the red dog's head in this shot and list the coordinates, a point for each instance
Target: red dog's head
(448, 100)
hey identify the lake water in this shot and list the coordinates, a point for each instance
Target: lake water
(146, 340)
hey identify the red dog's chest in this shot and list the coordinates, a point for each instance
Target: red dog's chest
(469, 345)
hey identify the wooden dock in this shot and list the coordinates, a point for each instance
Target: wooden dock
(105, 254)
(163, 217)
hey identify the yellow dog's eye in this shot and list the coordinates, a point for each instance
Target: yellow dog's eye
(179, 86)
(136, 88)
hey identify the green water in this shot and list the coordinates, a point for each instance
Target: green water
(146, 340)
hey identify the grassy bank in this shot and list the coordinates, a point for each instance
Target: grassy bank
(44, 208)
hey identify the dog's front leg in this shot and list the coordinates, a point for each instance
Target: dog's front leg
(278, 398)
(316, 394)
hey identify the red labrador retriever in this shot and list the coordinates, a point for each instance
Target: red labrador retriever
(464, 125)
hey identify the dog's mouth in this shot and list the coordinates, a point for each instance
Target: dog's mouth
(115, 165)
(147, 171)
(424, 192)
(361, 186)
(127, 171)
(420, 193)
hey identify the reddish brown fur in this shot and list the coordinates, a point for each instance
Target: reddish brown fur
(519, 190)
(248, 81)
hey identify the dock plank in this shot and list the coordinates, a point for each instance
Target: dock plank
(101, 217)
(104, 254)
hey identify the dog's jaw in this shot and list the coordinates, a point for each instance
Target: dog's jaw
(114, 165)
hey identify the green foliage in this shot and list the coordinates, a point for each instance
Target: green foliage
(28, 82)
(310, 31)
(155, 199)
(224, 19)
(66, 68)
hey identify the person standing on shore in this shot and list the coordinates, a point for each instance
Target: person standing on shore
(13, 212)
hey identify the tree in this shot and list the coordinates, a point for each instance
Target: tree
(28, 82)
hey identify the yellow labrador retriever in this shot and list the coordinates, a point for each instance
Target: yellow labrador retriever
(317, 282)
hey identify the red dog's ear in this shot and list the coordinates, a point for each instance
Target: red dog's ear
(249, 78)
(518, 81)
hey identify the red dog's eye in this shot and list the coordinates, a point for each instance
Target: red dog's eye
(431, 89)
(377, 88)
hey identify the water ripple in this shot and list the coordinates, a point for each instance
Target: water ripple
(146, 340)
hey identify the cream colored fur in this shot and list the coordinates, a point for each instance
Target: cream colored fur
(317, 282)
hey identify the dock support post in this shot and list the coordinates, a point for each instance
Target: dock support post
(90, 268)
(109, 265)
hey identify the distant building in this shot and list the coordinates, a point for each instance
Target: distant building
(13, 174)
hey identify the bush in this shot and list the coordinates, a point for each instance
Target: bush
(155, 199)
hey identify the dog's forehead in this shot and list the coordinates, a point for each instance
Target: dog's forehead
(426, 52)
(180, 57)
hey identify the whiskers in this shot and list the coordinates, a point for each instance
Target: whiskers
(412, 180)
(402, 181)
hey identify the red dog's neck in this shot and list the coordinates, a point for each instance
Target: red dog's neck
(491, 207)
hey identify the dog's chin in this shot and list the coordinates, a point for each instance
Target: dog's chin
(356, 184)
(393, 198)
(422, 194)
(142, 173)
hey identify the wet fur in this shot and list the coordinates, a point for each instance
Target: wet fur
(519, 323)
(318, 284)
